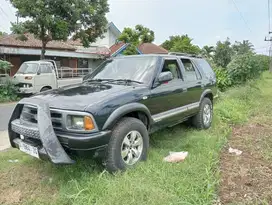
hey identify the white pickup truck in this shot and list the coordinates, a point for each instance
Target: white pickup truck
(38, 76)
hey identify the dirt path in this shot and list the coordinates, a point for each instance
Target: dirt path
(4, 141)
(247, 179)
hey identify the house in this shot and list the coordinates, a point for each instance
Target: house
(144, 48)
(66, 54)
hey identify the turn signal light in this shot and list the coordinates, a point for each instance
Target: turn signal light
(28, 78)
(88, 123)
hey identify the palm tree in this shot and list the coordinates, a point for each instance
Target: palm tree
(243, 47)
(207, 51)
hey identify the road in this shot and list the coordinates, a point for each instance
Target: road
(5, 113)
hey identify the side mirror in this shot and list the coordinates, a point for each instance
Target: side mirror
(38, 73)
(165, 77)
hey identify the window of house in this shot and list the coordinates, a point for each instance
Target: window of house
(82, 63)
(173, 67)
(190, 71)
(45, 68)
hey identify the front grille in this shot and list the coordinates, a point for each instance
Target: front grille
(29, 115)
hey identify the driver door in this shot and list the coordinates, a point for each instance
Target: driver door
(167, 98)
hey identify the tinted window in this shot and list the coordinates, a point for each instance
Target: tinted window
(45, 68)
(171, 66)
(190, 71)
(133, 68)
(205, 66)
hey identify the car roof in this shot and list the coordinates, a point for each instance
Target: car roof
(38, 62)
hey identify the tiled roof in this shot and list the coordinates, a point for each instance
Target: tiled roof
(149, 48)
(116, 47)
(32, 42)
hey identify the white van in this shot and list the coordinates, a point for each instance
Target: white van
(38, 76)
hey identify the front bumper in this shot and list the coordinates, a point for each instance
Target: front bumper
(28, 90)
(51, 145)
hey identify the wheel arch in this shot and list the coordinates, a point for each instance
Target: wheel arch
(207, 94)
(135, 110)
(47, 86)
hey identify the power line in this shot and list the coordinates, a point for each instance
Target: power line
(242, 17)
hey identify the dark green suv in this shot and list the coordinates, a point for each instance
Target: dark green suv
(115, 109)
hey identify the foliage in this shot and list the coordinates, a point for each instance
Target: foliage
(223, 53)
(57, 20)
(207, 52)
(181, 44)
(243, 68)
(263, 60)
(138, 35)
(135, 37)
(223, 80)
(5, 66)
(2, 33)
(8, 91)
(243, 47)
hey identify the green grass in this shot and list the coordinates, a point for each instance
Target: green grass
(194, 181)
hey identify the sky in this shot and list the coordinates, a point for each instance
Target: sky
(205, 21)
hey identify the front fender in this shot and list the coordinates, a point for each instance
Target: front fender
(207, 91)
(123, 110)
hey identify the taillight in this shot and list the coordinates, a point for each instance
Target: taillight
(28, 78)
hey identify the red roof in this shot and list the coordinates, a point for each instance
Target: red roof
(149, 48)
(32, 42)
(116, 47)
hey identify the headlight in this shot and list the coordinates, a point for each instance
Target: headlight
(77, 122)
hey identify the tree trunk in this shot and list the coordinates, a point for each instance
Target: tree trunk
(43, 50)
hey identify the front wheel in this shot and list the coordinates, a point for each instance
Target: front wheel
(203, 119)
(128, 144)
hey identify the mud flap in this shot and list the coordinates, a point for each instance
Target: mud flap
(48, 137)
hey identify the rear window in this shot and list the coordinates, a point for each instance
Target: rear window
(206, 68)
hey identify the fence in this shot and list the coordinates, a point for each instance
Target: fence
(67, 72)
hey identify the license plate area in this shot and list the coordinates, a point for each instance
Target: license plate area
(29, 149)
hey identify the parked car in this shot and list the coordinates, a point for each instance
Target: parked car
(116, 107)
(38, 76)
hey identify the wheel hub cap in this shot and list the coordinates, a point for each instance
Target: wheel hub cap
(132, 147)
(207, 114)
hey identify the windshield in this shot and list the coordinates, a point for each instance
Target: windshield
(139, 69)
(28, 68)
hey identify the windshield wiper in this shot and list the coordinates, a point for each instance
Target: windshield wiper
(125, 80)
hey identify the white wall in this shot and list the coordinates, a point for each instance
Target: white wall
(104, 41)
(93, 63)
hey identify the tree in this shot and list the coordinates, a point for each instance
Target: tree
(57, 20)
(181, 44)
(135, 37)
(223, 53)
(2, 33)
(243, 47)
(207, 51)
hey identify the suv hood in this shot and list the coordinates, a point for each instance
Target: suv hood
(80, 96)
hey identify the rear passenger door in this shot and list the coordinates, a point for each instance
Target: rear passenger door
(193, 80)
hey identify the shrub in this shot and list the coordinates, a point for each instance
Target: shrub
(243, 68)
(222, 78)
(5, 66)
(8, 91)
(263, 61)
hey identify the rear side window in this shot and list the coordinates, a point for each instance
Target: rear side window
(205, 66)
(191, 72)
(45, 68)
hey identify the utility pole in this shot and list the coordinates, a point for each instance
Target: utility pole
(270, 51)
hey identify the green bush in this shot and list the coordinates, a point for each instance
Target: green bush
(243, 68)
(222, 78)
(8, 91)
(5, 66)
(263, 60)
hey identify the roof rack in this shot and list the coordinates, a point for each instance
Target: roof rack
(185, 54)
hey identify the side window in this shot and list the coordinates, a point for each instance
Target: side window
(173, 67)
(44, 68)
(190, 71)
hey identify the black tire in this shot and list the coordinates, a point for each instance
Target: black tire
(45, 89)
(198, 119)
(114, 160)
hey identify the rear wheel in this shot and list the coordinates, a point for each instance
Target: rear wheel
(203, 119)
(128, 144)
